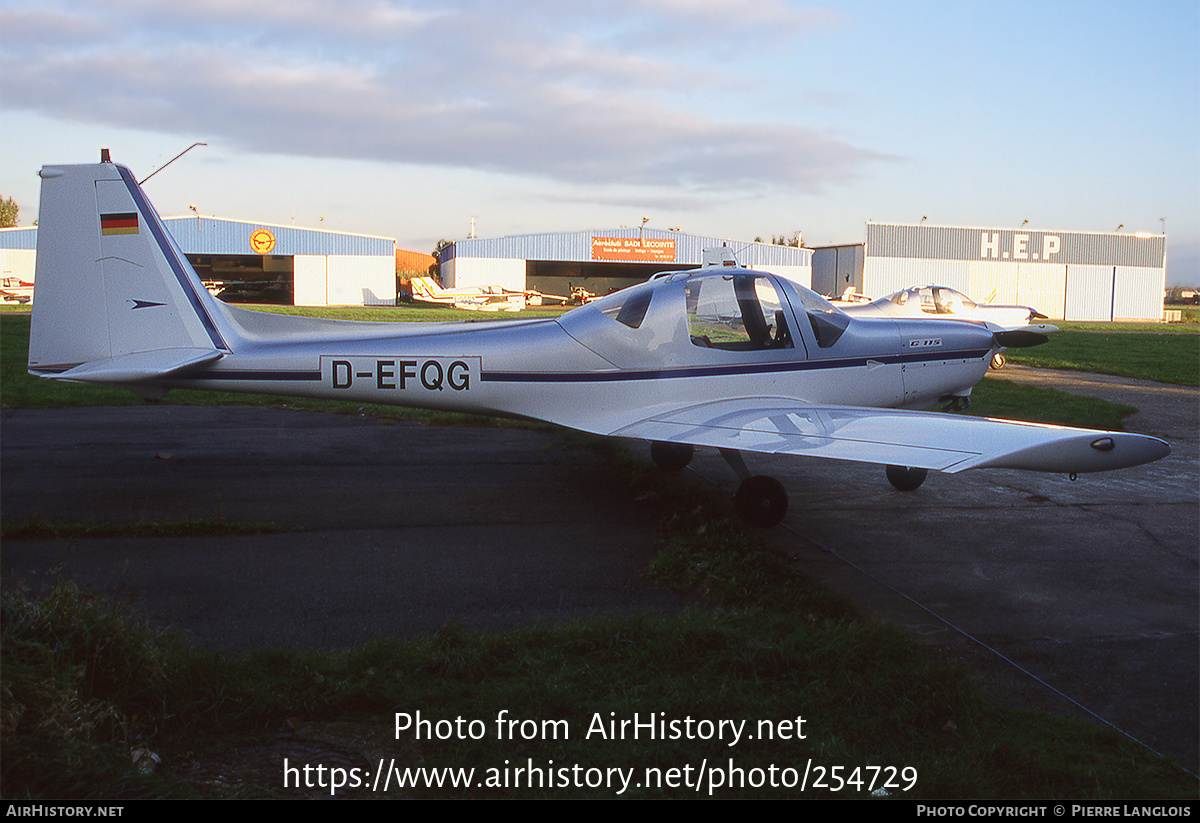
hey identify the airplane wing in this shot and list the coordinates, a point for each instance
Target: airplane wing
(945, 442)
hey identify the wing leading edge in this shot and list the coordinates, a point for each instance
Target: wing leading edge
(943, 442)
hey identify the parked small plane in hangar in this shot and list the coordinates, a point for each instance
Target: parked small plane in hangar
(719, 356)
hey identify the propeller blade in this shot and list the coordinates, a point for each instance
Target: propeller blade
(1024, 337)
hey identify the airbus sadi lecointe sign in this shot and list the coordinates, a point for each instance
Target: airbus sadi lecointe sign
(633, 248)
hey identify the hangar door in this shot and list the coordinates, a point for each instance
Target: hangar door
(344, 280)
(561, 277)
(246, 278)
(1089, 292)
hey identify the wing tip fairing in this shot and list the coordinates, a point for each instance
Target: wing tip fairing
(1078, 451)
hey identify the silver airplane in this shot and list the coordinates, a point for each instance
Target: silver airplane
(720, 356)
(947, 303)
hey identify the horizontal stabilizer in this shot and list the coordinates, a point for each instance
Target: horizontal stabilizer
(944, 442)
(132, 368)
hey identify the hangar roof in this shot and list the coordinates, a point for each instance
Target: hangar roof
(18, 238)
(657, 246)
(212, 235)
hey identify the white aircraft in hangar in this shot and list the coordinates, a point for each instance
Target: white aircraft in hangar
(719, 356)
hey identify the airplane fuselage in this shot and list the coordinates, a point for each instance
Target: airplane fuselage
(586, 364)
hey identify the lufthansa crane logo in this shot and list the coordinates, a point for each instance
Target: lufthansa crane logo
(262, 241)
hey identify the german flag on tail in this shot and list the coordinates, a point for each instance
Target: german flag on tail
(119, 223)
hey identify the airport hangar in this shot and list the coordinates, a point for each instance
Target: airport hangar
(255, 262)
(261, 263)
(601, 261)
(1064, 275)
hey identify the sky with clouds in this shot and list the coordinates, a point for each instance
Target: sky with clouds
(732, 118)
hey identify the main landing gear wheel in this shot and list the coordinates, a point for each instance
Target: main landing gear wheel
(671, 457)
(761, 501)
(906, 479)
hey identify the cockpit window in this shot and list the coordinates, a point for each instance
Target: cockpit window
(827, 320)
(736, 312)
(941, 300)
(960, 301)
(627, 306)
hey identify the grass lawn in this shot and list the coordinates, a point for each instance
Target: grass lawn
(1168, 357)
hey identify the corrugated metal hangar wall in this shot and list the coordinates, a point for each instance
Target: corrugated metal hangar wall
(258, 262)
(322, 268)
(602, 259)
(1064, 275)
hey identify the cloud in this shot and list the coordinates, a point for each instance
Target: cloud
(579, 93)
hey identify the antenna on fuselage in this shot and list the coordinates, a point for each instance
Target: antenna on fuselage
(722, 257)
(169, 162)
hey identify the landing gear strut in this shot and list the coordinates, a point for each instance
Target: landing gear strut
(760, 500)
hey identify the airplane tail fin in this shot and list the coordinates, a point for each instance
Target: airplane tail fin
(115, 300)
(428, 290)
(424, 288)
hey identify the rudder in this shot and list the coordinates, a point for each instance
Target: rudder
(114, 298)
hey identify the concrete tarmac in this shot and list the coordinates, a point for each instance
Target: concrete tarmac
(1090, 586)
(400, 528)
(1076, 597)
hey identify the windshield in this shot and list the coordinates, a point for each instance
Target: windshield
(627, 306)
(827, 320)
(942, 300)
